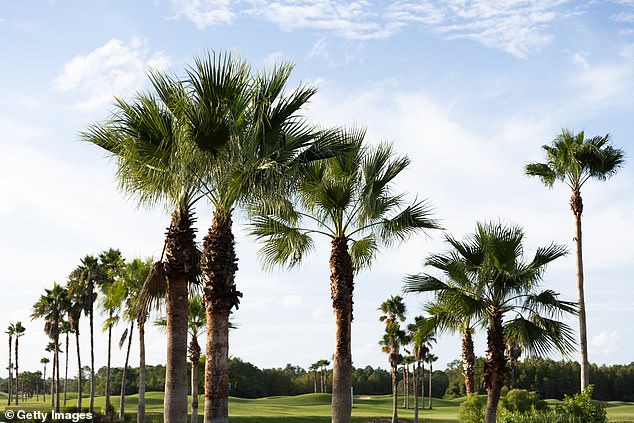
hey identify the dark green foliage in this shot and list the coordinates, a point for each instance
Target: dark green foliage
(582, 409)
(471, 410)
(522, 401)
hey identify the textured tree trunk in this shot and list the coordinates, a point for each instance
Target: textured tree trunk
(17, 373)
(219, 266)
(142, 372)
(468, 360)
(66, 370)
(109, 408)
(406, 386)
(79, 378)
(495, 367)
(57, 408)
(341, 287)
(125, 372)
(576, 205)
(92, 359)
(394, 394)
(178, 266)
(415, 373)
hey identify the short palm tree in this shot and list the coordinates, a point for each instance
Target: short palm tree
(18, 333)
(573, 160)
(348, 199)
(421, 336)
(430, 359)
(65, 328)
(44, 361)
(392, 309)
(391, 344)
(75, 308)
(507, 285)
(51, 307)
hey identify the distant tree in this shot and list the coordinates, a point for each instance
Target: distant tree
(44, 361)
(391, 343)
(573, 160)
(65, 328)
(430, 359)
(10, 331)
(18, 333)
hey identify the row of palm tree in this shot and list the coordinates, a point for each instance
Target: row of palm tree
(235, 138)
(15, 331)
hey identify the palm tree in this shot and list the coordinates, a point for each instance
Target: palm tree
(65, 328)
(196, 323)
(494, 257)
(110, 262)
(430, 358)
(50, 348)
(393, 309)
(421, 337)
(573, 160)
(407, 360)
(129, 285)
(81, 287)
(314, 368)
(18, 332)
(153, 139)
(391, 343)
(51, 307)
(44, 361)
(349, 199)
(75, 308)
(10, 331)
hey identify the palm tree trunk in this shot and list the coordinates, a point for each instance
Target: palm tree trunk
(109, 408)
(219, 266)
(394, 394)
(494, 367)
(341, 286)
(431, 369)
(142, 373)
(416, 372)
(92, 360)
(79, 378)
(53, 381)
(10, 369)
(17, 373)
(576, 204)
(44, 380)
(195, 357)
(468, 360)
(178, 266)
(66, 371)
(57, 372)
(125, 372)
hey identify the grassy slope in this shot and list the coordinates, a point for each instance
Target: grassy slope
(313, 408)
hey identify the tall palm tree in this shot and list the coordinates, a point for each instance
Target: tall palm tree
(18, 333)
(430, 359)
(129, 286)
(51, 307)
(154, 138)
(75, 308)
(196, 323)
(421, 336)
(350, 200)
(50, 348)
(65, 328)
(573, 160)
(81, 287)
(44, 361)
(110, 262)
(390, 344)
(10, 331)
(494, 257)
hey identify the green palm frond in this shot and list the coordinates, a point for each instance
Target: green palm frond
(423, 283)
(408, 221)
(363, 251)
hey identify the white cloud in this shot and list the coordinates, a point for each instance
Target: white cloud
(204, 13)
(114, 69)
(292, 301)
(606, 343)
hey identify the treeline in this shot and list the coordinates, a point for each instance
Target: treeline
(549, 378)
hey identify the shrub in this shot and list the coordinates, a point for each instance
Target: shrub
(581, 409)
(522, 401)
(471, 410)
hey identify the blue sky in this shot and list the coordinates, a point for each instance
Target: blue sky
(469, 89)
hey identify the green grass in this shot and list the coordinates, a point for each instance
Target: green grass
(311, 408)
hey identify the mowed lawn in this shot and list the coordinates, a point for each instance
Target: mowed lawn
(309, 408)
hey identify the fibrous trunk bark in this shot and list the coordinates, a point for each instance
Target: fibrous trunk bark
(194, 358)
(219, 266)
(125, 373)
(394, 394)
(142, 372)
(576, 205)
(468, 360)
(179, 253)
(341, 287)
(495, 366)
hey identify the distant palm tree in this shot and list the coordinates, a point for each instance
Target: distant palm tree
(573, 160)
(75, 308)
(18, 333)
(51, 307)
(393, 309)
(507, 285)
(44, 361)
(390, 344)
(10, 331)
(407, 360)
(421, 336)
(430, 358)
(196, 323)
(350, 200)
(50, 348)
(81, 285)
(65, 328)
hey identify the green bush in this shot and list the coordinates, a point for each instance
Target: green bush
(471, 410)
(581, 409)
(522, 401)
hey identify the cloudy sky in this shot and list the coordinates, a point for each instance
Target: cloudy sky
(469, 89)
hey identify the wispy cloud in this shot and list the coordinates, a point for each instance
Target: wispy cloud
(606, 343)
(116, 68)
(517, 27)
